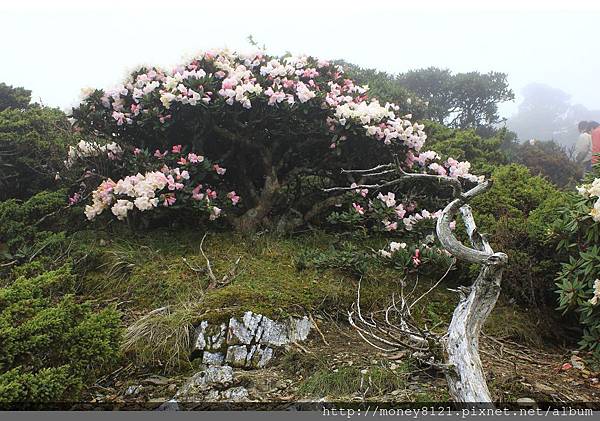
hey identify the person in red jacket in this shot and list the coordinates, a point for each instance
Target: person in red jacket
(594, 130)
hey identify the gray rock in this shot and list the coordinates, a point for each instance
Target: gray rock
(272, 333)
(133, 390)
(170, 405)
(212, 396)
(237, 355)
(235, 394)
(200, 340)
(243, 332)
(259, 356)
(299, 329)
(212, 358)
(213, 377)
(526, 402)
(217, 340)
(249, 342)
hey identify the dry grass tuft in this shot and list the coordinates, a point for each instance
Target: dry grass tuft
(162, 337)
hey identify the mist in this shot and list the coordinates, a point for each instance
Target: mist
(56, 50)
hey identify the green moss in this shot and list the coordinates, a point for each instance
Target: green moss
(148, 272)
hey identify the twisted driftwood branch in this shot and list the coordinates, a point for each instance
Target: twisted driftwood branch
(466, 380)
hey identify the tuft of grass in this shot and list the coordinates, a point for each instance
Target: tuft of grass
(347, 381)
(162, 337)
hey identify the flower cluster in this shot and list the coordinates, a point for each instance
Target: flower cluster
(451, 167)
(248, 79)
(596, 297)
(405, 257)
(178, 179)
(592, 190)
(85, 149)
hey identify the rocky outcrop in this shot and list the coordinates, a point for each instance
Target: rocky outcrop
(246, 343)
(213, 384)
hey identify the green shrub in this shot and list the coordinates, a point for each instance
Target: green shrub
(548, 159)
(516, 213)
(33, 146)
(484, 154)
(577, 233)
(33, 228)
(51, 345)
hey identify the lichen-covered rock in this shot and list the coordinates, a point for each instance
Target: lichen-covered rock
(235, 394)
(213, 377)
(299, 329)
(212, 358)
(272, 333)
(259, 356)
(237, 355)
(200, 340)
(246, 343)
(216, 341)
(243, 332)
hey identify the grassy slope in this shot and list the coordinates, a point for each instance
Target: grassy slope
(143, 273)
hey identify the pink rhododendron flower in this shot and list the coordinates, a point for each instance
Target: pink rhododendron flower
(74, 199)
(176, 149)
(389, 199)
(182, 161)
(359, 209)
(170, 199)
(390, 226)
(218, 169)
(135, 109)
(195, 159)
(137, 151)
(400, 211)
(172, 184)
(416, 259)
(215, 212)
(211, 194)
(158, 154)
(196, 194)
(119, 117)
(233, 197)
(362, 192)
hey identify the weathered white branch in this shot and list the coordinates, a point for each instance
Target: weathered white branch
(466, 379)
(446, 236)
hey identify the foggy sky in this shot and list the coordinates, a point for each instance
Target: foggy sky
(56, 48)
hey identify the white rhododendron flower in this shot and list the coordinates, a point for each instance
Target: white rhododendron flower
(394, 246)
(596, 297)
(592, 190)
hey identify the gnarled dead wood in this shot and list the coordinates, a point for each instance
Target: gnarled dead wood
(466, 379)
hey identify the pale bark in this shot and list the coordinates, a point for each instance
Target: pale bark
(466, 379)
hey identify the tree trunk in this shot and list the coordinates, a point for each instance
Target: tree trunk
(252, 218)
(465, 376)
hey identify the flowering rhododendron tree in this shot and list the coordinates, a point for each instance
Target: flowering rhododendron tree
(283, 126)
(578, 231)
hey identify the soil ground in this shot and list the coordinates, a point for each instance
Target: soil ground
(514, 371)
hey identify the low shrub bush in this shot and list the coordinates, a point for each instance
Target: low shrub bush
(51, 345)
